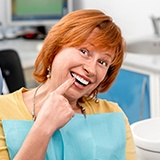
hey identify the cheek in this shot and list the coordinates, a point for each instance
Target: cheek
(101, 76)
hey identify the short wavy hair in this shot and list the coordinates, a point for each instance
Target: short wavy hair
(72, 31)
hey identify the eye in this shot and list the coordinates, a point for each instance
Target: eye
(84, 51)
(104, 63)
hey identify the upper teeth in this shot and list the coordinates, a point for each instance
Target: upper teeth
(80, 79)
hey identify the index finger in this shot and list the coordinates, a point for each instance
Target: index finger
(65, 86)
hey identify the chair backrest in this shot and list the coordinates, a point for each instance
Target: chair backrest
(1, 82)
(11, 68)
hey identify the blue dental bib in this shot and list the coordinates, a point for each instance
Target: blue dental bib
(96, 137)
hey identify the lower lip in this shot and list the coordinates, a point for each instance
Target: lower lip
(78, 85)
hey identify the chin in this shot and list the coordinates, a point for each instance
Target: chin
(73, 95)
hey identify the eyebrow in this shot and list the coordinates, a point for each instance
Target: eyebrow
(110, 56)
(105, 53)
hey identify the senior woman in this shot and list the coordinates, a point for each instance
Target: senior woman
(62, 119)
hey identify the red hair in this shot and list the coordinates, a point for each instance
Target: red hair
(73, 30)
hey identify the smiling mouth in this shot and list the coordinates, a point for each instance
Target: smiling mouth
(79, 79)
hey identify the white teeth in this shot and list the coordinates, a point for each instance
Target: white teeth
(83, 81)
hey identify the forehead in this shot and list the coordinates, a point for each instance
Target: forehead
(99, 41)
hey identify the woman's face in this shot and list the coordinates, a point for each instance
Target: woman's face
(85, 63)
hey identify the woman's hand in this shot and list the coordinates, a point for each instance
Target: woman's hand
(56, 110)
(55, 113)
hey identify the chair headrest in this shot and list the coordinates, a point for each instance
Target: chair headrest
(1, 82)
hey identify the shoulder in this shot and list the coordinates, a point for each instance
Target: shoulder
(103, 106)
(11, 96)
(10, 103)
(100, 106)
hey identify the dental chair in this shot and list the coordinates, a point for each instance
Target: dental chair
(11, 68)
(1, 82)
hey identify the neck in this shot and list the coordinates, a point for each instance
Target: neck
(82, 109)
(75, 105)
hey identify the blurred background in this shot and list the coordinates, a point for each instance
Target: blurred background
(137, 87)
(133, 16)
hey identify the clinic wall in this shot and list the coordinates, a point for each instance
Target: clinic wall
(133, 16)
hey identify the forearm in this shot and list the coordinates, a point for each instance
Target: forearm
(47, 122)
(35, 144)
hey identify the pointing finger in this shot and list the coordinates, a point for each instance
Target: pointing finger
(65, 86)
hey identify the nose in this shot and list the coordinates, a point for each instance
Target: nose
(90, 68)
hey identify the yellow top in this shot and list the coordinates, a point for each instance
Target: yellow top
(12, 107)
